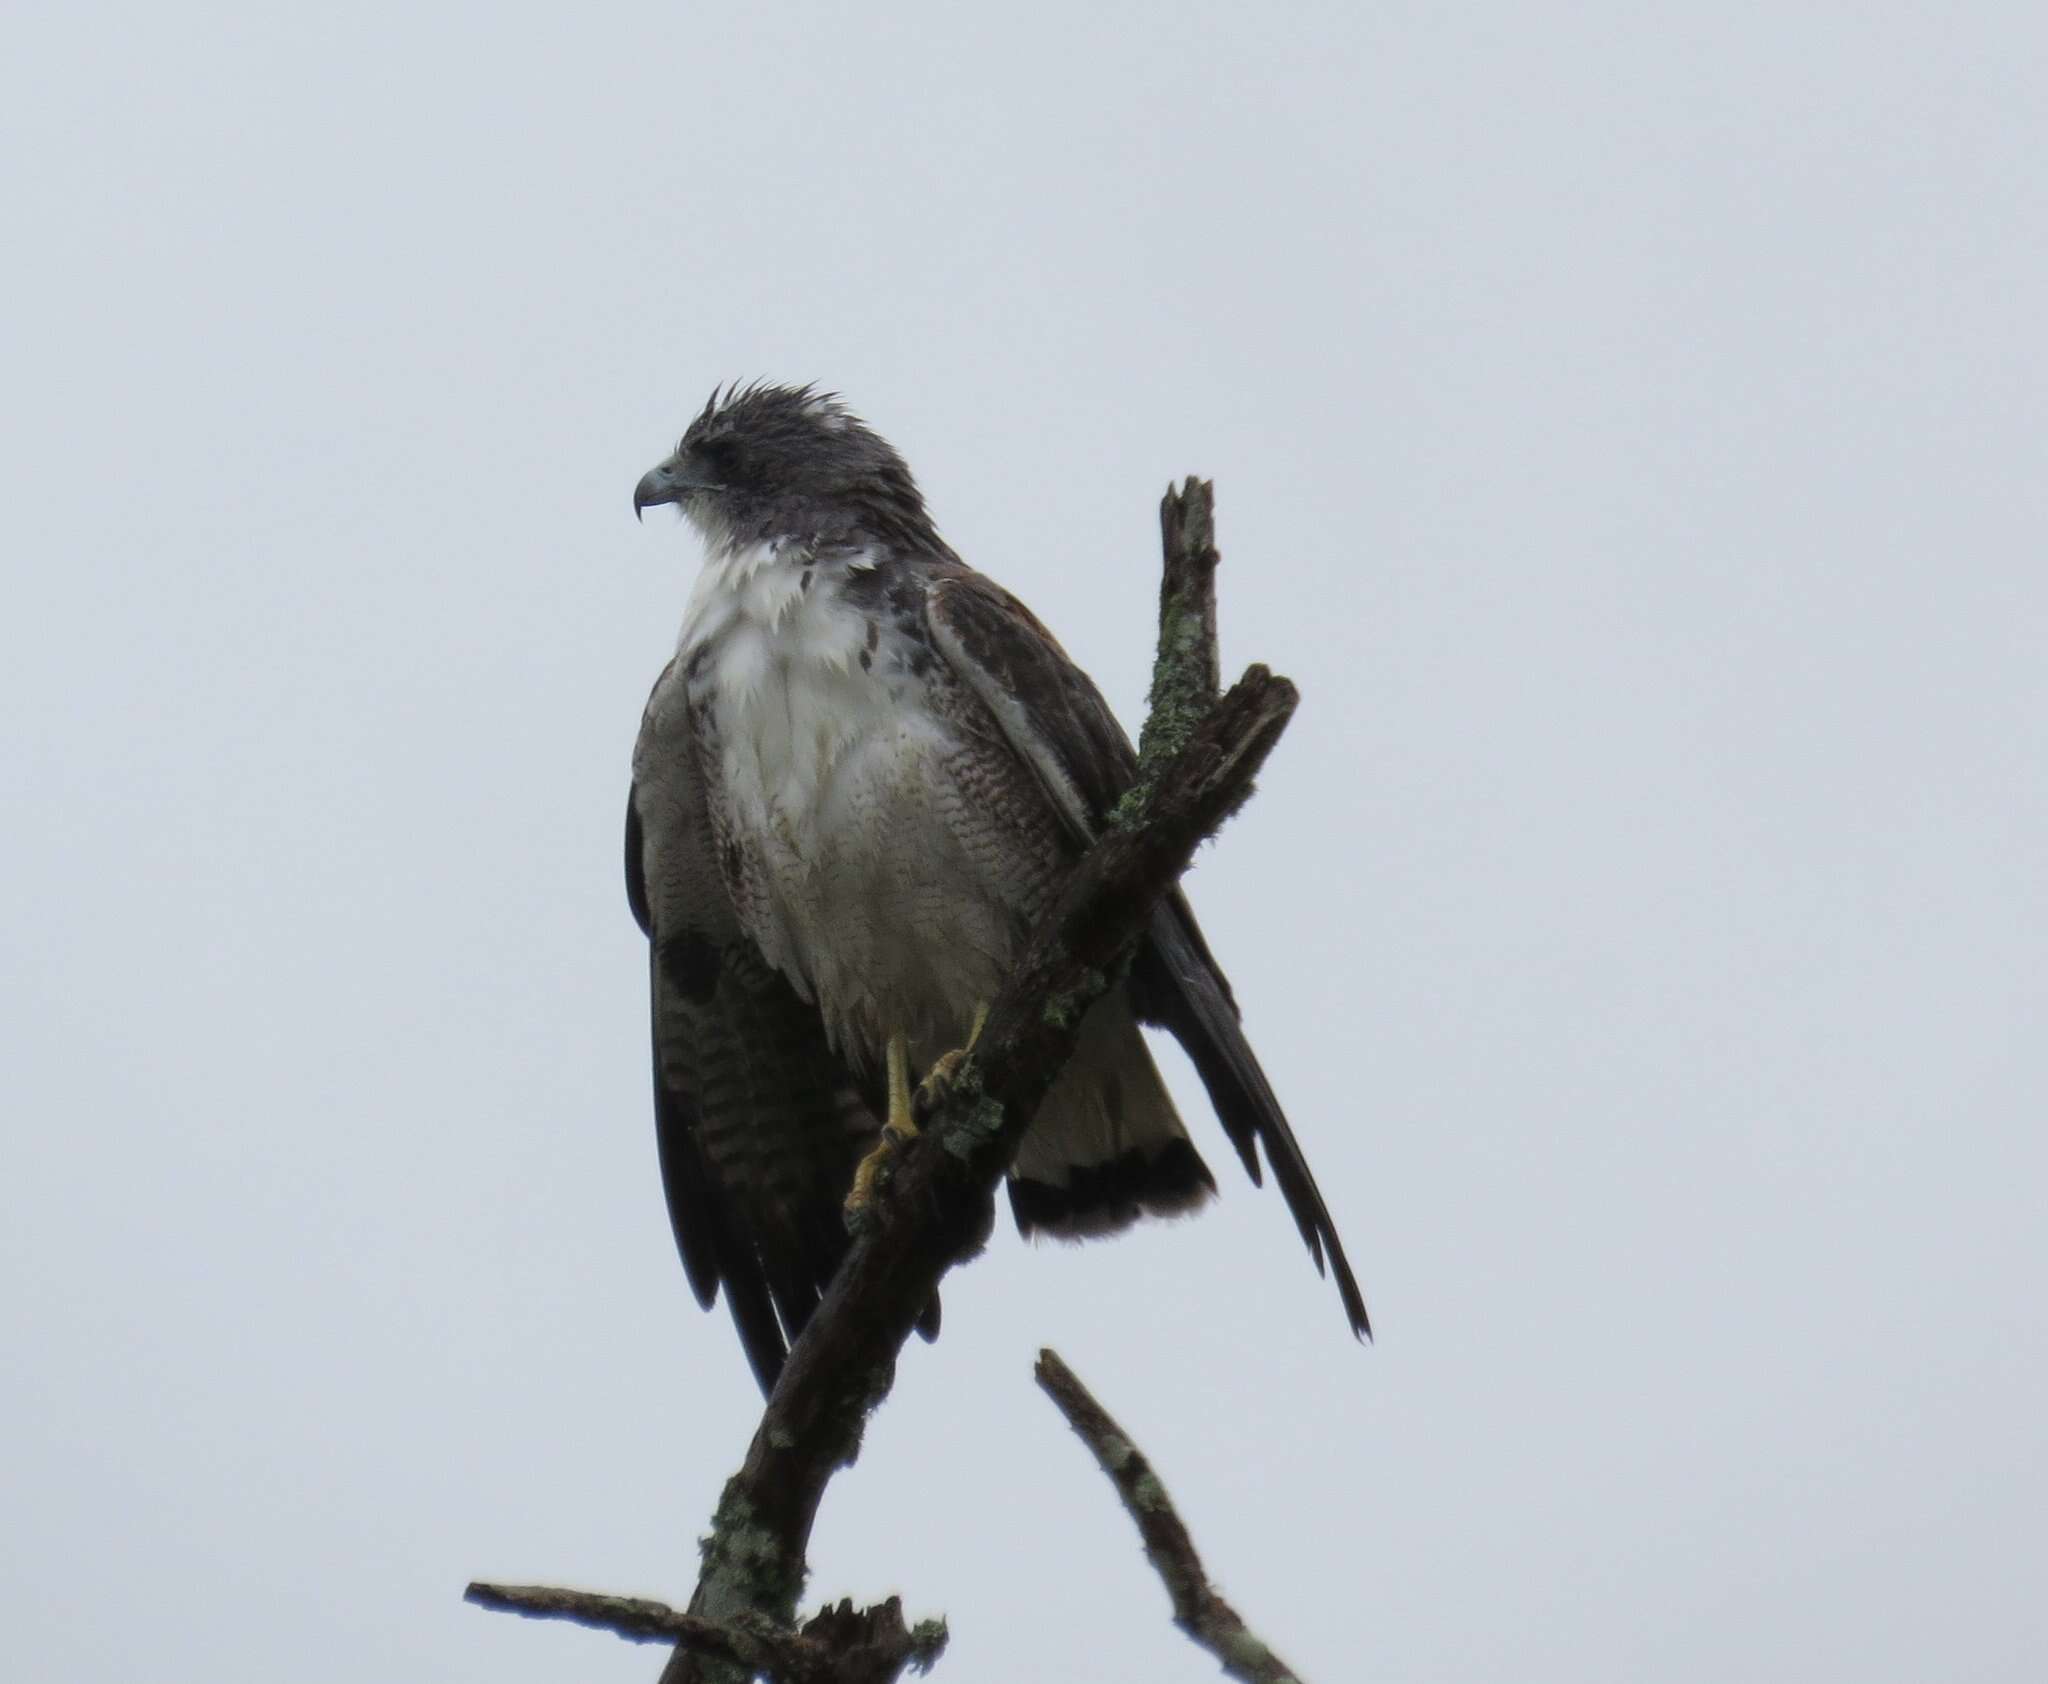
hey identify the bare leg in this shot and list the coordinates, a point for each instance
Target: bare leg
(900, 1124)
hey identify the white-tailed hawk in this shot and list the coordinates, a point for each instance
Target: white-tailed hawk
(856, 787)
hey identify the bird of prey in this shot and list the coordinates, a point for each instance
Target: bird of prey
(857, 784)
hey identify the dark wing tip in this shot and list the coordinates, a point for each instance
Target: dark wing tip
(1176, 984)
(760, 1331)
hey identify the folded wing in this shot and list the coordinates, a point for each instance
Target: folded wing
(1056, 721)
(758, 1126)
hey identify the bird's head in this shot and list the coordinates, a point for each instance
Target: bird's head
(785, 462)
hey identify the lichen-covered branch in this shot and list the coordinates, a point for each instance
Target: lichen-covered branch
(935, 1208)
(1199, 754)
(1197, 1609)
(1187, 672)
(838, 1646)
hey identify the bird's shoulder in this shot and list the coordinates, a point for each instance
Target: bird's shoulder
(660, 750)
(1047, 708)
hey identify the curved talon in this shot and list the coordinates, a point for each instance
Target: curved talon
(869, 1172)
(944, 1072)
(945, 1068)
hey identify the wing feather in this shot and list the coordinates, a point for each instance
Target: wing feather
(757, 1122)
(1056, 721)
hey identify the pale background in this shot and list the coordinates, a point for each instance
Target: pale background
(1629, 429)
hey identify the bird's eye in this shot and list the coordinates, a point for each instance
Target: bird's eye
(721, 457)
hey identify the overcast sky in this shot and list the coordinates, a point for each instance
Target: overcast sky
(1629, 430)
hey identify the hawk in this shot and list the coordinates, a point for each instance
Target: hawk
(857, 785)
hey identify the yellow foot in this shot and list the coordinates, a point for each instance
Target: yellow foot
(946, 1067)
(869, 1172)
(900, 1125)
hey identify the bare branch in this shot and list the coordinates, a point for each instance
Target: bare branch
(639, 1620)
(1197, 1609)
(1199, 754)
(1197, 761)
(935, 1208)
(837, 1646)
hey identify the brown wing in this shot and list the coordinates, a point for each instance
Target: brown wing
(758, 1124)
(1059, 725)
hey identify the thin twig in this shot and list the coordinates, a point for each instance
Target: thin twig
(1197, 1609)
(638, 1620)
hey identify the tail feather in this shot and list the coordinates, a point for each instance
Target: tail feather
(1176, 984)
(1107, 1146)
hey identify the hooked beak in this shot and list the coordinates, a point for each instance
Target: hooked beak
(668, 482)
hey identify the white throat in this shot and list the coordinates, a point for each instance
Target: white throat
(776, 593)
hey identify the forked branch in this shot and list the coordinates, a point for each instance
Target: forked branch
(1199, 754)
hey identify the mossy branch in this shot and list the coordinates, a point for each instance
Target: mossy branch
(1197, 1609)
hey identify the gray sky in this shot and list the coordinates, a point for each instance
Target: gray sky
(1629, 429)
